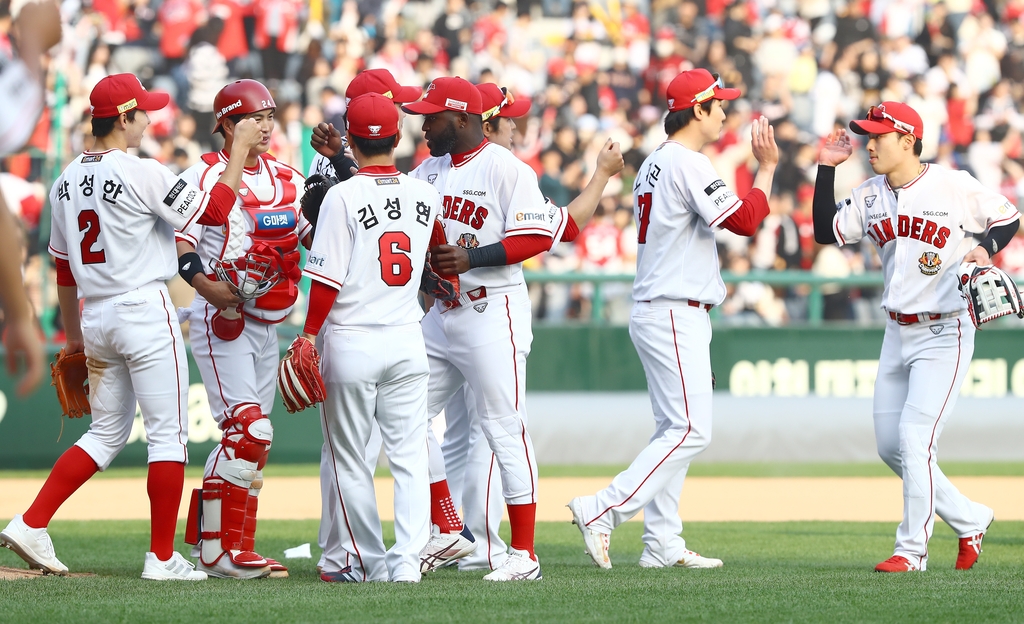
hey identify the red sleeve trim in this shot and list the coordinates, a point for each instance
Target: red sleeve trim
(519, 248)
(752, 211)
(64, 275)
(572, 230)
(321, 300)
(222, 200)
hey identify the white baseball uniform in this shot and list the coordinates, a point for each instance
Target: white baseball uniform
(242, 371)
(113, 220)
(487, 195)
(373, 235)
(678, 201)
(922, 232)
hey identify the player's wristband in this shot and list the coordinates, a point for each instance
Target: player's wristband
(189, 265)
(999, 237)
(342, 166)
(488, 255)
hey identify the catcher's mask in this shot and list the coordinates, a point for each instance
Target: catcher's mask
(253, 274)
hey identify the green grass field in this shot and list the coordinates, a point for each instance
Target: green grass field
(774, 572)
(713, 469)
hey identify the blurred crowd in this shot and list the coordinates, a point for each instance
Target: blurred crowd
(592, 70)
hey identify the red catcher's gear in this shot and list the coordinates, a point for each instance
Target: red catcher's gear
(241, 97)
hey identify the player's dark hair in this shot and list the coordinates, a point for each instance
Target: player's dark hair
(918, 146)
(374, 147)
(677, 120)
(492, 124)
(234, 119)
(102, 126)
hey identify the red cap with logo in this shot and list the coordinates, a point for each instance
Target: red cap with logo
(381, 81)
(372, 116)
(120, 93)
(697, 86)
(454, 94)
(499, 102)
(890, 117)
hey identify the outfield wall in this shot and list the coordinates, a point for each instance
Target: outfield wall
(784, 395)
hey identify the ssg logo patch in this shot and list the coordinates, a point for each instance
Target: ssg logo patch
(936, 329)
(869, 201)
(480, 307)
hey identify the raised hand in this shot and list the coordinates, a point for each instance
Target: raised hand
(326, 140)
(609, 160)
(762, 143)
(248, 134)
(836, 150)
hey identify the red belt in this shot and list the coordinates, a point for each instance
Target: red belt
(690, 302)
(910, 319)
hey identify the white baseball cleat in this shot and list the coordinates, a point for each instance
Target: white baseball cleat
(177, 568)
(444, 549)
(518, 566)
(224, 567)
(595, 542)
(689, 559)
(32, 545)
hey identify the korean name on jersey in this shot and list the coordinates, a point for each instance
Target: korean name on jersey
(114, 217)
(922, 232)
(371, 245)
(487, 197)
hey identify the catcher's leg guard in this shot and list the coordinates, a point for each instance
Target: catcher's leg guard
(225, 552)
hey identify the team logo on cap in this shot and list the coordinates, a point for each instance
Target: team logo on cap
(430, 87)
(374, 130)
(929, 263)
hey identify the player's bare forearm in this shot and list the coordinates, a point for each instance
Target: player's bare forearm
(220, 295)
(12, 290)
(67, 297)
(764, 179)
(609, 163)
(247, 136)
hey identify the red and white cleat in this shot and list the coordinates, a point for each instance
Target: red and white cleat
(896, 563)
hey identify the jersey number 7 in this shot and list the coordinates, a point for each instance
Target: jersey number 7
(643, 202)
(89, 222)
(395, 264)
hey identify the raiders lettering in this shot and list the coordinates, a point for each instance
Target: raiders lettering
(464, 211)
(924, 230)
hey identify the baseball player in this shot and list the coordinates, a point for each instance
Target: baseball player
(334, 159)
(469, 465)
(234, 332)
(924, 220)
(112, 236)
(366, 263)
(678, 201)
(495, 217)
(36, 29)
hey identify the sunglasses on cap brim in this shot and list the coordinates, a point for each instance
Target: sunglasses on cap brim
(709, 93)
(877, 114)
(508, 100)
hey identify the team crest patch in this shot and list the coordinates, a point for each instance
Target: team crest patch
(468, 241)
(480, 307)
(929, 263)
(936, 329)
(869, 201)
(431, 178)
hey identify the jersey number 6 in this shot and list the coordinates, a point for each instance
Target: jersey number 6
(89, 222)
(395, 264)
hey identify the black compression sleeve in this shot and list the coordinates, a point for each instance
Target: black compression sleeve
(189, 265)
(342, 166)
(824, 208)
(488, 255)
(999, 237)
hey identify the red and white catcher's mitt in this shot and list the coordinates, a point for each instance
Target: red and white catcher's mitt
(298, 376)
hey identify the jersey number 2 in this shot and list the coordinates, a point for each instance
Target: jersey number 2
(643, 202)
(89, 222)
(395, 264)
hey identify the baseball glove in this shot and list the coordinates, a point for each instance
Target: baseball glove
(70, 375)
(316, 187)
(298, 376)
(990, 293)
(433, 283)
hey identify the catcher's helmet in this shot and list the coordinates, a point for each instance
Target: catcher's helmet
(241, 97)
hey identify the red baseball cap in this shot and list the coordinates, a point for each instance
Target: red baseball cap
(454, 94)
(696, 86)
(120, 93)
(372, 116)
(890, 117)
(381, 81)
(499, 102)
